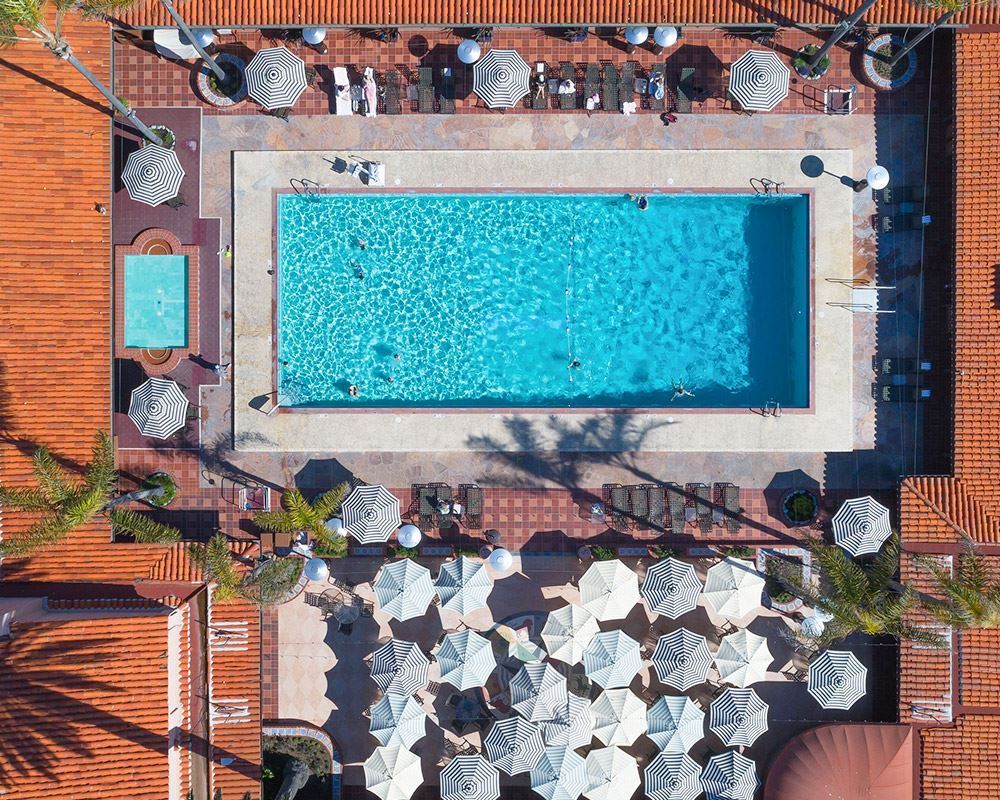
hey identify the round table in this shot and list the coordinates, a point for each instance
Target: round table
(344, 610)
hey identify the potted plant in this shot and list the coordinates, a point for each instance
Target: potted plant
(169, 489)
(888, 62)
(468, 552)
(799, 507)
(802, 60)
(166, 135)
(395, 551)
(737, 551)
(227, 91)
(776, 589)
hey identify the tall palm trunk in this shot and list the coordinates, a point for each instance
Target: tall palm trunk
(944, 18)
(141, 494)
(841, 31)
(219, 72)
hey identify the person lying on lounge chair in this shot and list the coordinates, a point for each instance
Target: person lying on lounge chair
(567, 87)
(656, 86)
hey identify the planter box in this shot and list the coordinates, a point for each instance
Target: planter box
(800, 554)
(870, 57)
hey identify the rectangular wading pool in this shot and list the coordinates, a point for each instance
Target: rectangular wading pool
(156, 301)
(543, 300)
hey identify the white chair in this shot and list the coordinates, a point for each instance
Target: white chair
(838, 100)
(343, 92)
(864, 296)
(169, 44)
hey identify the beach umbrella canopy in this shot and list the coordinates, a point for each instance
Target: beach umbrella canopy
(158, 408)
(393, 773)
(468, 51)
(729, 776)
(619, 717)
(371, 514)
(738, 717)
(609, 590)
(612, 774)
(572, 726)
(537, 691)
(671, 588)
(612, 659)
(514, 745)
(276, 77)
(152, 175)
(675, 724)
(399, 667)
(463, 585)
(403, 589)
(466, 659)
(733, 588)
(837, 679)
(665, 35)
(561, 774)
(397, 720)
(501, 78)
(673, 776)
(470, 778)
(758, 80)
(567, 631)
(636, 34)
(409, 536)
(681, 659)
(861, 526)
(501, 560)
(743, 658)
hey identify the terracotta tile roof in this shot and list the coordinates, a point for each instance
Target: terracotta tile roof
(959, 761)
(980, 679)
(941, 509)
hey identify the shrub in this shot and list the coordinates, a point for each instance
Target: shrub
(658, 551)
(169, 488)
(601, 553)
(738, 551)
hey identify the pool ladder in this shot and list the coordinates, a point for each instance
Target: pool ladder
(766, 186)
(304, 186)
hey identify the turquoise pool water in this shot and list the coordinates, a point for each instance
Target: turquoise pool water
(489, 299)
(156, 300)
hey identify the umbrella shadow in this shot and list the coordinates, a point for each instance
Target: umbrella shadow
(709, 77)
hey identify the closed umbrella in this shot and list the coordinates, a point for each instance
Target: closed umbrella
(837, 679)
(501, 78)
(463, 585)
(743, 658)
(675, 724)
(733, 588)
(612, 659)
(861, 526)
(399, 667)
(514, 745)
(738, 717)
(619, 717)
(567, 631)
(403, 589)
(276, 77)
(729, 776)
(470, 778)
(393, 773)
(560, 775)
(758, 80)
(609, 590)
(572, 726)
(397, 719)
(671, 588)
(466, 659)
(673, 776)
(371, 514)
(681, 659)
(158, 408)
(612, 774)
(537, 692)
(152, 175)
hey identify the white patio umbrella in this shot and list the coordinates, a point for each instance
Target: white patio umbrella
(152, 175)
(612, 774)
(371, 514)
(399, 667)
(837, 679)
(612, 659)
(514, 745)
(671, 588)
(681, 659)
(738, 717)
(567, 631)
(729, 776)
(609, 590)
(403, 589)
(158, 408)
(537, 691)
(733, 588)
(397, 719)
(468, 51)
(743, 658)
(758, 80)
(501, 78)
(675, 724)
(276, 77)
(619, 717)
(861, 526)
(470, 778)
(572, 726)
(393, 773)
(560, 775)
(466, 659)
(673, 776)
(463, 585)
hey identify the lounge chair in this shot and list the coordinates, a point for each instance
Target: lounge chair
(902, 366)
(686, 91)
(638, 500)
(609, 88)
(591, 83)
(392, 101)
(905, 394)
(616, 506)
(567, 101)
(342, 92)
(540, 101)
(626, 90)
(657, 500)
(425, 90)
(427, 499)
(370, 93)
(727, 507)
(902, 194)
(472, 497)
(675, 504)
(447, 105)
(702, 505)
(903, 222)
(657, 74)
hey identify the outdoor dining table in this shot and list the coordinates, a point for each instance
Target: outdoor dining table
(346, 610)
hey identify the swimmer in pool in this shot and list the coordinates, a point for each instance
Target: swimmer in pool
(680, 391)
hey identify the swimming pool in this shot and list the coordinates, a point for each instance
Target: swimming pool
(552, 300)
(156, 301)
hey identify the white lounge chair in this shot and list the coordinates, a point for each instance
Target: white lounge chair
(342, 89)
(370, 91)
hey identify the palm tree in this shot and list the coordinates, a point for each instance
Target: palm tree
(66, 504)
(169, 6)
(265, 583)
(950, 7)
(298, 514)
(840, 31)
(971, 597)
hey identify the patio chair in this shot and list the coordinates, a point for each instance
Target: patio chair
(472, 499)
(656, 75)
(703, 505)
(540, 100)
(901, 194)
(279, 113)
(838, 100)
(616, 506)
(427, 500)
(686, 91)
(903, 222)
(367, 609)
(731, 502)
(676, 505)
(626, 90)
(342, 91)
(392, 101)
(905, 394)
(425, 90)
(567, 101)
(902, 366)
(591, 82)
(638, 500)
(176, 202)
(447, 104)
(657, 500)
(609, 88)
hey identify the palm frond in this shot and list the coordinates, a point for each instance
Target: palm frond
(141, 528)
(216, 562)
(44, 533)
(328, 503)
(271, 582)
(275, 521)
(24, 499)
(298, 508)
(25, 14)
(82, 508)
(51, 477)
(100, 473)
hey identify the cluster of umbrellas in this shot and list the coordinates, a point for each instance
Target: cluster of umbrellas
(404, 589)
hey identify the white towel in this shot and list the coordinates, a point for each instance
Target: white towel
(628, 108)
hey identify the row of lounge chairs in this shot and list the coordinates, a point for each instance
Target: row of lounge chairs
(672, 507)
(428, 500)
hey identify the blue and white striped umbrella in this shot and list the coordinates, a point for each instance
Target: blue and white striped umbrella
(567, 631)
(403, 589)
(537, 691)
(673, 776)
(619, 717)
(743, 658)
(681, 659)
(612, 659)
(671, 588)
(399, 667)
(738, 717)
(393, 773)
(861, 525)
(398, 719)
(609, 590)
(514, 745)
(837, 679)
(758, 80)
(729, 776)
(463, 585)
(152, 175)
(276, 77)
(371, 514)
(470, 778)
(158, 408)
(675, 724)
(733, 588)
(501, 78)
(572, 726)
(466, 659)
(560, 775)
(612, 774)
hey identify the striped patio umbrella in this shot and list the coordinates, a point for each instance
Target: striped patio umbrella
(470, 778)
(681, 659)
(152, 175)
(158, 408)
(738, 717)
(743, 658)
(837, 679)
(514, 745)
(567, 631)
(733, 588)
(276, 77)
(537, 692)
(397, 719)
(609, 590)
(371, 514)
(393, 773)
(759, 80)
(399, 667)
(729, 776)
(612, 659)
(861, 526)
(560, 775)
(572, 726)
(501, 78)
(619, 717)
(466, 659)
(675, 724)
(612, 774)
(403, 589)
(673, 776)
(463, 585)
(671, 588)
